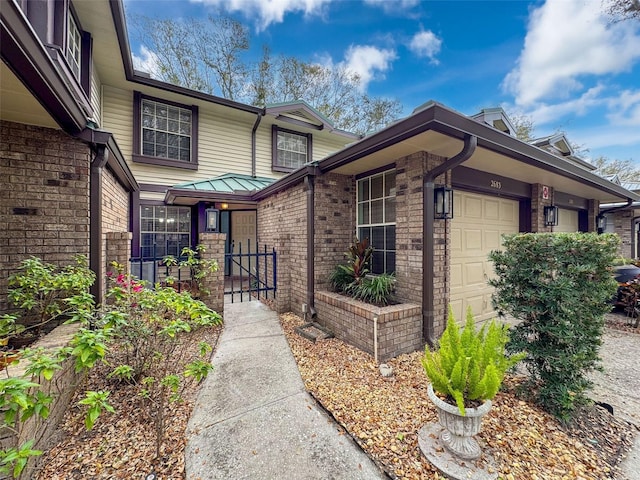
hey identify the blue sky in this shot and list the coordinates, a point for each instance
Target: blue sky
(561, 62)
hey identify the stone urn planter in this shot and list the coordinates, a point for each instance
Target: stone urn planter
(459, 430)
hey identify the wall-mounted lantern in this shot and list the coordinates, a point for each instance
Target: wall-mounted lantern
(551, 216)
(211, 220)
(443, 202)
(601, 221)
(224, 206)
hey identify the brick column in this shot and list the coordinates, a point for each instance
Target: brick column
(623, 221)
(592, 212)
(214, 284)
(537, 208)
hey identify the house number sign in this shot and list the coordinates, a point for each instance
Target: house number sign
(495, 184)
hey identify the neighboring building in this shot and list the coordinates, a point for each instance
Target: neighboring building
(79, 124)
(623, 219)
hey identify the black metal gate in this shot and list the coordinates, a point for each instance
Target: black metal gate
(250, 274)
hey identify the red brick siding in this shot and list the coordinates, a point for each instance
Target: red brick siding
(45, 172)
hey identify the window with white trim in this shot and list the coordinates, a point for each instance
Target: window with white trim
(74, 46)
(164, 230)
(376, 218)
(291, 149)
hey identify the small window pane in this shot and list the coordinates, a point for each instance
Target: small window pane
(363, 213)
(390, 210)
(377, 238)
(148, 149)
(363, 233)
(390, 267)
(390, 236)
(363, 190)
(161, 151)
(389, 184)
(377, 262)
(376, 187)
(185, 155)
(376, 211)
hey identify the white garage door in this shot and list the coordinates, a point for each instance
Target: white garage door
(476, 229)
(567, 221)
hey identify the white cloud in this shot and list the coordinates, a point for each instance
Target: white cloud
(268, 11)
(426, 44)
(368, 62)
(567, 40)
(393, 5)
(625, 109)
(146, 62)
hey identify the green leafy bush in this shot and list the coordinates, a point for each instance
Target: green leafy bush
(559, 287)
(352, 278)
(199, 268)
(469, 365)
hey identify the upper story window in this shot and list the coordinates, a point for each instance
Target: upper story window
(376, 218)
(74, 47)
(291, 150)
(165, 133)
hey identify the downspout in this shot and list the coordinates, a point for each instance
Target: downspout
(253, 142)
(428, 271)
(309, 182)
(95, 219)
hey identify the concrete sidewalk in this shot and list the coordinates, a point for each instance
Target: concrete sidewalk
(253, 418)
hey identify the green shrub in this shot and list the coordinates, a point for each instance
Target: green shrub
(469, 365)
(377, 290)
(340, 279)
(559, 287)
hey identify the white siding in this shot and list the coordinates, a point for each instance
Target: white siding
(95, 97)
(224, 142)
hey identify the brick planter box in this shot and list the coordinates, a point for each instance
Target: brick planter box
(399, 326)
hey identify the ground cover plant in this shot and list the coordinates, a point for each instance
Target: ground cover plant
(560, 296)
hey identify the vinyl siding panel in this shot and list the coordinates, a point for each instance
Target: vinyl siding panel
(95, 97)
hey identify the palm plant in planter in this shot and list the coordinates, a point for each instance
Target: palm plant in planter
(466, 369)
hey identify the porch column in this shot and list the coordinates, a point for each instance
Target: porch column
(538, 202)
(213, 284)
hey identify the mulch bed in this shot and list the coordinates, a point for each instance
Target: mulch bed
(121, 445)
(383, 415)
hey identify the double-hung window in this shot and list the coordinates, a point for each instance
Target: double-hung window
(165, 133)
(291, 150)
(74, 47)
(164, 230)
(376, 218)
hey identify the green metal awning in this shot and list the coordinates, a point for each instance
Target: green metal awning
(228, 183)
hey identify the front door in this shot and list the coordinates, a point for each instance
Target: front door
(243, 233)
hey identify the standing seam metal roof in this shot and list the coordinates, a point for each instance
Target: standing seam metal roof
(228, 183)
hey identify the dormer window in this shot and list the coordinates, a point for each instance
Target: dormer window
(74, 47)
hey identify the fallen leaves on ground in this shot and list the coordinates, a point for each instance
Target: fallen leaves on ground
(384, 415)
(121, 445)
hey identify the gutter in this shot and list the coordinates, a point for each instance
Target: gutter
(428, 270)
(253, 141)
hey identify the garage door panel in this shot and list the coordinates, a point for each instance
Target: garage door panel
(568, 221)
(478, 231)
(473, 274)
(472, 206)
(472, 240)
(491, 209)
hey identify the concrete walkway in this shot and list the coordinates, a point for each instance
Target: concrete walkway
(253, 418)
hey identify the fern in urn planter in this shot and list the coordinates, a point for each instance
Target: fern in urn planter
(467, 369)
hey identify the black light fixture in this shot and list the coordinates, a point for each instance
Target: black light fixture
(550, 216)
(602, 222)
(443, 202)
(211, 220)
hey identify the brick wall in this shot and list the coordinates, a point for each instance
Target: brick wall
(116, 238)
(44, 198)
(399, 328)
(537, 208)
(623, 224)
(282, 224)
(214, 244)
(334, 223)
(409, 242)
